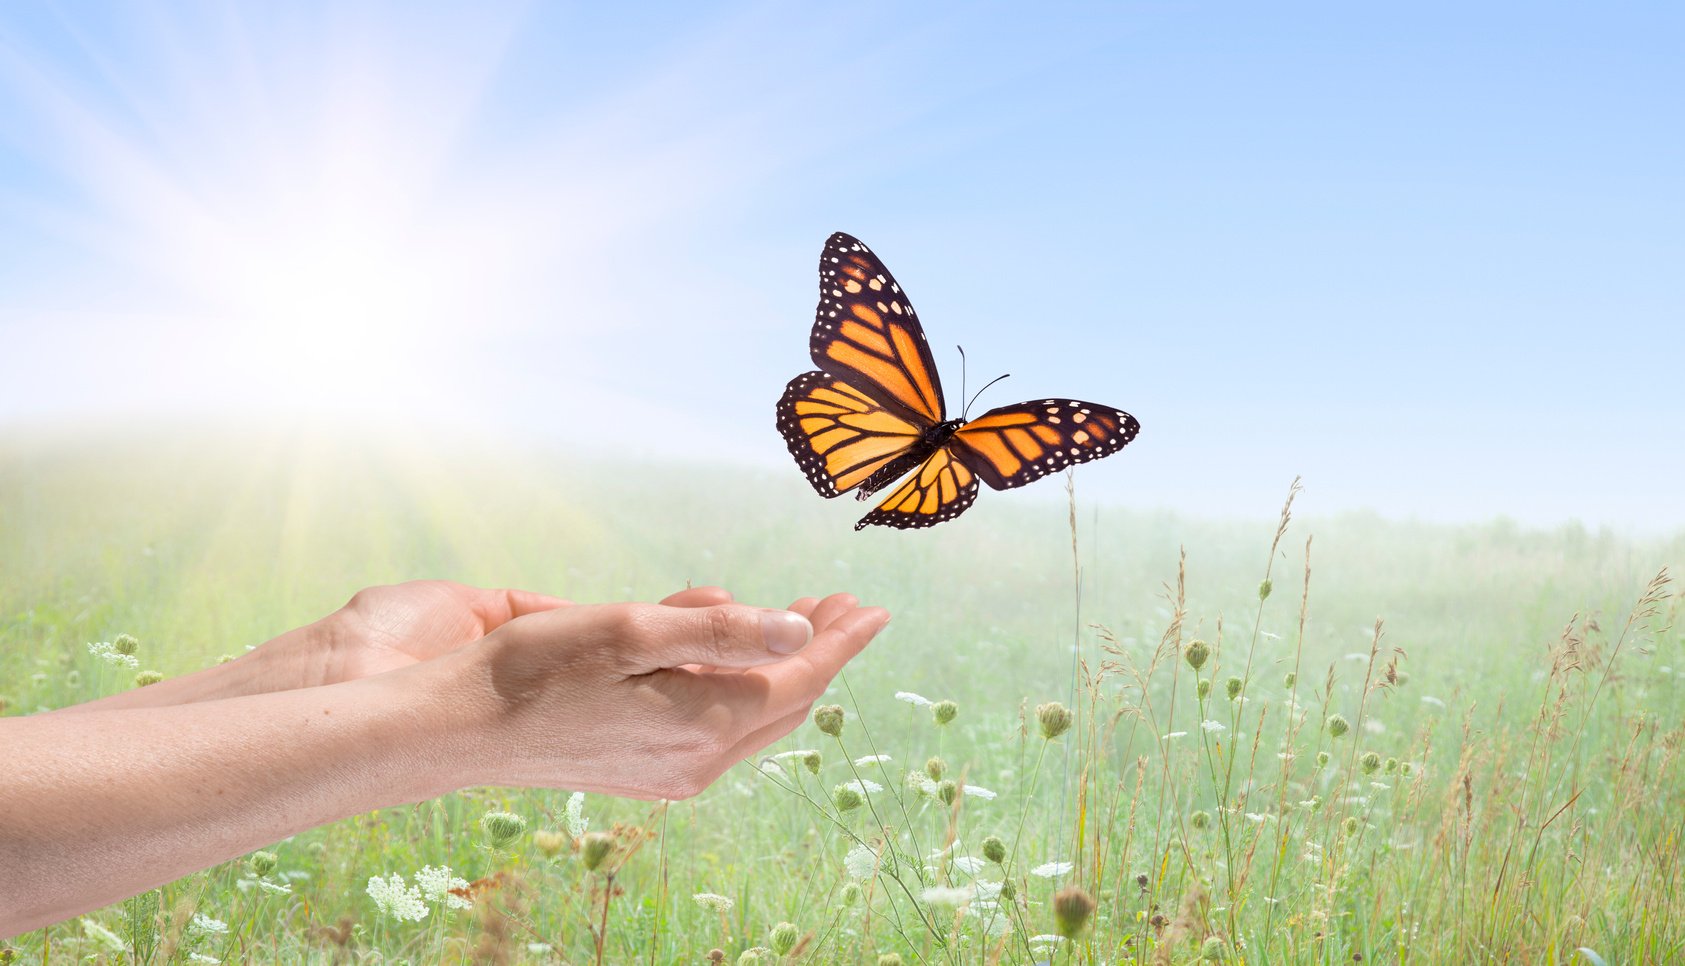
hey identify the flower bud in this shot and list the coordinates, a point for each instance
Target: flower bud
(1399, 678)
(1212, 950)
(1195, 653)
(1071, 908)
(549, 841)
(1264, 588)
(1203, 688)
(851, 893)
(784, 936)
(994, 849)
(1322, 759)
(1200, 819)
(947, 790)
(262, 863)
(1390, 766)
(1350, 825)
(811, 761)
(1054, 718)
(890, 959)
(1405, 768)
(1289, 679)
(935, 768)
(148, 677)
(944, 711)
(1233, 686)
(1370, 761)
(501, 829)
(1338, 725)
(829, 719)
(1009, 889)
(749, 957)
(847, 797)
(594, 848)
(125, 644)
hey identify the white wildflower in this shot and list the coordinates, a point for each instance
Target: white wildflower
(540, 949)
(275, 887)
(203, 925)
(1174, 734)
(922, 783)
(1380, 786)
(1213, 726)
(713, 900)
(105, 651)
(436, 884)
(947, 896)
(870, 760)
(769, 767)
(1052, 870)
(1045, 943)
(1430, 699)
(104, 936)
(863, 785)
(397, 900)
(798, 753)
(1357, 657)
(574, 812)
(861, 862)
(969, 864)
(942, 853)
(916, 700)
(980, 793)
(1374, 727)
(203, 958)
(1271, 636)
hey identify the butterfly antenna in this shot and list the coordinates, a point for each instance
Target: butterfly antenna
(973, 399)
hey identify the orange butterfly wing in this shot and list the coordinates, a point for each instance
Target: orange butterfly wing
(1014, 445)
(940, 490)
(866, 333)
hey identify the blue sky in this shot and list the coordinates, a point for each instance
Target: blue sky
(1425, 255)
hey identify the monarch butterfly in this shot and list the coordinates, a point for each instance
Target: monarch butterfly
(874, 409)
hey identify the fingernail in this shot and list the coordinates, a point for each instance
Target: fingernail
(784, 632)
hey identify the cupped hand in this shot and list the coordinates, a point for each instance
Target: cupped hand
(644, 700)
(388, 627)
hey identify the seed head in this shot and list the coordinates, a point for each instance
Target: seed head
(935, 767)
(1405, 768)
(262, 863)
(1212, 951)
(749, 956)
(1072, 906)
(851, 893)
(73, 678)
(1390, 766)
(784, 936)
(1289, 679)
(1338, 725)
(829, 719)
(847, 797)
(1321, 759)
(549, 841)
(1264, 588)
(1203, 688)
(501, 829)
(1055, 719)
(1009, 889)
(890, 959)
(1200, 819)
(944, 711)
(1233, 686)
(594, 848)
(125, 644)
(1350, 825)
(994, 849)
(1371, 762)
(148, 677)
(811, 761)
(1195, 653)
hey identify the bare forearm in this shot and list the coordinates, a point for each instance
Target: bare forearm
(296, 659)
(108, 803)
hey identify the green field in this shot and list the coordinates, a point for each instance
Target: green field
(1523, 693)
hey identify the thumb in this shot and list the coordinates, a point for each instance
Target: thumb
(724, 635)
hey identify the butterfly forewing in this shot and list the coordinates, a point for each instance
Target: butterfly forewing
(838, 434)
(1014, 445)
(941, 489)
(865, 332)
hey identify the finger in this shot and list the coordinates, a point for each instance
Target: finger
(494, 608)
(804, 606)
(723, 635)
(698, 597)
(831, 608)
(799, 680)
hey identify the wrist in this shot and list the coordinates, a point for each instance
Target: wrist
(449, 720)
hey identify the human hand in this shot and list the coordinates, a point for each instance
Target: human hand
(388, 627)
(640, 700)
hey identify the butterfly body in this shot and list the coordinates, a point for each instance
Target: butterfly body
(874, 411)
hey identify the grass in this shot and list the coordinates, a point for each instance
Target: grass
(1508, 788)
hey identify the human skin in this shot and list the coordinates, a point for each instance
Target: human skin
(405, 694)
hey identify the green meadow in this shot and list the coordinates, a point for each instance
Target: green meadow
(1401, 743)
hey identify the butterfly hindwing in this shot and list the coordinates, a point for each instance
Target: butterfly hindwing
(865, 332)
(1014, 445)
(941, 489)
(838, 434)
